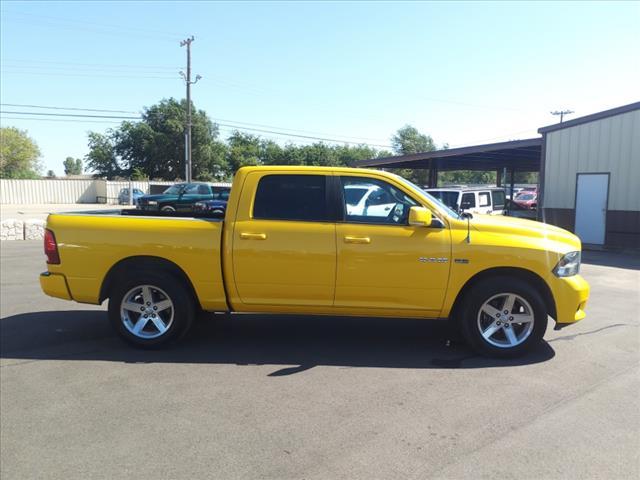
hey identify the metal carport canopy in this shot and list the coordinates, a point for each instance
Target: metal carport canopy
(515, 155)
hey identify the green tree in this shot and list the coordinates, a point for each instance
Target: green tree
(19, 154)
(51, 174)
(72, 166)
(244, 150)
(156, 145)
(406, 141)
(102, 158)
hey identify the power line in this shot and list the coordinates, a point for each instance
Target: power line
(237, 127)
(80, 23)
(106, 65)
(236, 123)
(97, 74)
(65, 108)
(59, 120)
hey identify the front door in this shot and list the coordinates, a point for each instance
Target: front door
(383, 262)
(284, 246)
(591, 207)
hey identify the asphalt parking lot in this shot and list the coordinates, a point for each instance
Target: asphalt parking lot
(281, 397)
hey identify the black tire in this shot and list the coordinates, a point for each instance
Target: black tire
(501, 344)
(177, 318)
(167, 208)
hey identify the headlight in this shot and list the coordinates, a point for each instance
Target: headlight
(152, 202)
(568, 265)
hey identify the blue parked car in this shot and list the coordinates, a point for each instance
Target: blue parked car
(123, 196)
(213, 206)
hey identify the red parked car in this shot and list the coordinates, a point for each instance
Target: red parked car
(527, 199)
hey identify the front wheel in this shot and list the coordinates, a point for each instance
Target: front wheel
(168, 208)
(151, 310)
(503, 317)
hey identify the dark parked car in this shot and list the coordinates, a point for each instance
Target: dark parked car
(212, 206)
(182, 197)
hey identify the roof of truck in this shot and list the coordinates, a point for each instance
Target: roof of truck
(303, 168)
(461, 189)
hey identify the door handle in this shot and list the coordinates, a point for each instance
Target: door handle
(349, 239)
(253, 236)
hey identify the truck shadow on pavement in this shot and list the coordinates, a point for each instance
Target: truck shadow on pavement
(296, 343)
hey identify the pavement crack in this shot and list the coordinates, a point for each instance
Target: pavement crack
(591, 332)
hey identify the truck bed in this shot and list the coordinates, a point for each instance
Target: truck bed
(92, 243)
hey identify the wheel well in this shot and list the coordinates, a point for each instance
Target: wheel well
(148, 263)
(526, 275)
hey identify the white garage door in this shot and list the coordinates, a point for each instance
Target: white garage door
(591, 207)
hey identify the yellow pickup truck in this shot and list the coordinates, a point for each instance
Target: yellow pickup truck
(320, 241)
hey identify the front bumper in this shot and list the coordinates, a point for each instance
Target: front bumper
(55, 285)
(571, 295)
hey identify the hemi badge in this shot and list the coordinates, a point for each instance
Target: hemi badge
(461, 260)
(433, 260)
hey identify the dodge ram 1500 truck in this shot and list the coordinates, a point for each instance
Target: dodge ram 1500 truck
(299, 240)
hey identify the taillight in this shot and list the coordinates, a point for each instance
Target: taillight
(51, 248)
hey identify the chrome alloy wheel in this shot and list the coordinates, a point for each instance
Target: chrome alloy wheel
(506, 320)
(146, 311)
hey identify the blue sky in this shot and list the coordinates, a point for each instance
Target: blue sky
(465, 73)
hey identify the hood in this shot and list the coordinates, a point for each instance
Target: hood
(505, 226)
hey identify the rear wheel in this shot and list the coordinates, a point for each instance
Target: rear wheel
(151, 310)
(503, 317)
(168, 208)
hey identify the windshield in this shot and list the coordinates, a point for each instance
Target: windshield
(175, 189)
(525, 196)
(437, 202)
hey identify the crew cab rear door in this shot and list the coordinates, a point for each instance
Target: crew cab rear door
(284, 247)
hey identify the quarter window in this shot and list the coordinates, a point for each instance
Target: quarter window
(291, 197)
(498, 199)
(367, 200)
(483, 199)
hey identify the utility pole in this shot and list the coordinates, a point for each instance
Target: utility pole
(562, 113)
(187, 132)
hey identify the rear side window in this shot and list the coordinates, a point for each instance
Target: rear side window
(221, 193)
(203, 190)
(498, 199)
(483, 199)
(468, 201)
(292, 197)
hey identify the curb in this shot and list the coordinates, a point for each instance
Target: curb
(29, 229)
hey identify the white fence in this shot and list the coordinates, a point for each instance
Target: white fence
(30, 192)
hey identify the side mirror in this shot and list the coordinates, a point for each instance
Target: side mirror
(420, 217)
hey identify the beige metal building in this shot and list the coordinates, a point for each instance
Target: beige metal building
(590, 176)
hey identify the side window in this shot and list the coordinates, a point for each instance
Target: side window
(191, 189)
(204, 190)
(220, 193)
(498, 199)
(291, 197)
(367, 200)
(483, 199)
(468, 201)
